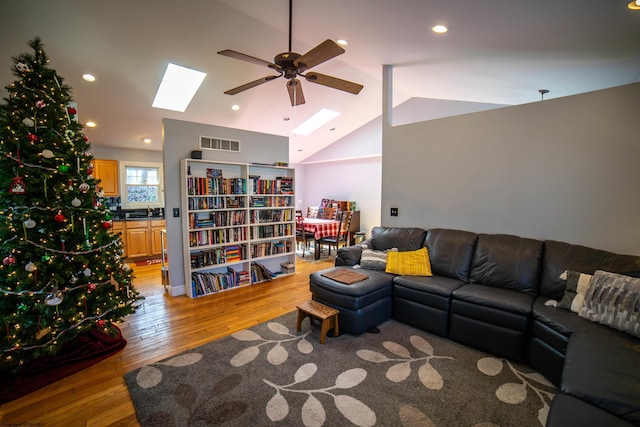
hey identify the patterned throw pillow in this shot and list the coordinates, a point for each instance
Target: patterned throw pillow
(373, 260)
(613, 300)
(410, 263)
(577, 286)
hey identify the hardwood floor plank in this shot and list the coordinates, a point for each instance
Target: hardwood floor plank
(163, 326)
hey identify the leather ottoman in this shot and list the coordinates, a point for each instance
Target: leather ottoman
(362, 305)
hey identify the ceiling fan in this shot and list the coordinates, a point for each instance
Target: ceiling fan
(290, 65)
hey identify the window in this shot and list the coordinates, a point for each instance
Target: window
(141, 185)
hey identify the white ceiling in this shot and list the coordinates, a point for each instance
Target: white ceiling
(496, 51)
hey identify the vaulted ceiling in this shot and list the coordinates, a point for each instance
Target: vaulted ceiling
(496, 51)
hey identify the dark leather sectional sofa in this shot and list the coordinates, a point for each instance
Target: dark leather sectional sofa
(489, 291)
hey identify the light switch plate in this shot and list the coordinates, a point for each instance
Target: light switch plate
(394, 211)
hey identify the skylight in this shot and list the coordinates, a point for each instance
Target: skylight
(178, 86)
(314, 122)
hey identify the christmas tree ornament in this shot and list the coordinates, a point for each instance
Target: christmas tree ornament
(40, 104)
(76, 202)
(84, 187)
(73, 280)
(30, 267)
(72, 111)
(9, 260)
(107, 216)
(28, 122)
(107, 224)
(32, 137)
(59, 217)
(30, 223)
(63, 168)
(91, 287)
(87, 272)
(22, 67)
(90, 169)
(100, 193)
(69, 134)
(100, 323)
(46, 153)
(17, 186)
(54, 298)
(23, 308)
(45, 258)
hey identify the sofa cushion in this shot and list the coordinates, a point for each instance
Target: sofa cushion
(434, 285)
(566, 411)
(576, 289)
(409, 263)
(559, 257)
(451, 252)
(403, 238)
(509, 262)
(604, 374)
(614, 300)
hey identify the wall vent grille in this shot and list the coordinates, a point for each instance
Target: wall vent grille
(211, 143)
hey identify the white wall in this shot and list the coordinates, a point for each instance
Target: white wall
(179, 139)
(133, 155)
(564, 169)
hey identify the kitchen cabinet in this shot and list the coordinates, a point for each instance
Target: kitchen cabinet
(107, 172)
(140, 238)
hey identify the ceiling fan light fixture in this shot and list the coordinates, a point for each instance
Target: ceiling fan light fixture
(342, 42)
(89, 77)
(235, 107)
(177, 88)
(634, 5)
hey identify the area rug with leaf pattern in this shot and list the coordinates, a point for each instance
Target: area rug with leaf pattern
(271, 374)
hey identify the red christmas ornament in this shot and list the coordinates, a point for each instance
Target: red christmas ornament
(91, 287)
(9, 260)
(90, 169)
(72, 111)
(59, 217)
(32, 137)
(17, 186)
(100, 323)
(107, 224)
(41, 104)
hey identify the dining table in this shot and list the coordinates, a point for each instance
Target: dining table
(320, 228)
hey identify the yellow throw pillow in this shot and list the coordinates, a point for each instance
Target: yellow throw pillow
(411, 263)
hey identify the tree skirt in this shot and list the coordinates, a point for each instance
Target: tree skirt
(85, 350)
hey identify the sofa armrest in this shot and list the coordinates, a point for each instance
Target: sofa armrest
(348, 255)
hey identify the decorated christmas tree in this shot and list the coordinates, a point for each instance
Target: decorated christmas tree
(62, 271)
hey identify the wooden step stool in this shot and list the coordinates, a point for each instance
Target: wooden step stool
(328, 316)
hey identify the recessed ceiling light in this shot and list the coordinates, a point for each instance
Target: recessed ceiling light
(439, 29)
(314, 122)
(89, 77)
(634, 5)
(342, 42)
(90, 124)
(235, 107)
(286, 119)
(146, 140)
(178, 86)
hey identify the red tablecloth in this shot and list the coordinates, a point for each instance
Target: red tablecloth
(321, 227)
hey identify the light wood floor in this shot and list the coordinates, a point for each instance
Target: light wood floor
(163, 326)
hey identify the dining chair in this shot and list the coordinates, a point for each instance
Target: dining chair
(343, 230)
(312, 212)
(328, 213)
(303, 236)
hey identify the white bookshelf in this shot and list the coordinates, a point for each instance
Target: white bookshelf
(236, 215)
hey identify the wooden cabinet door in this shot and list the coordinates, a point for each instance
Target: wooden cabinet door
(137, 242)
(107, 172)
(156, 239)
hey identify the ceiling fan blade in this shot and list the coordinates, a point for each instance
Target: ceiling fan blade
(323, 52)
(249, 85)
(334, 82)
(295, 92)
(243, 57)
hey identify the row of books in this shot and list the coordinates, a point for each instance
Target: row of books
(210, 186)
(230, 202)
(270, 248)
(280, 185)
(207, 283)
(214, 237)
(217, 256)
(217, 219)
(275, 230)
(271, 202)
(271, 215)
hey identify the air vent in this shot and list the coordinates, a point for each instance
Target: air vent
(211, 143)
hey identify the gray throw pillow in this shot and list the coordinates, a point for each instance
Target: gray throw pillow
(575, 291)
(613, 300)
(373, 260)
